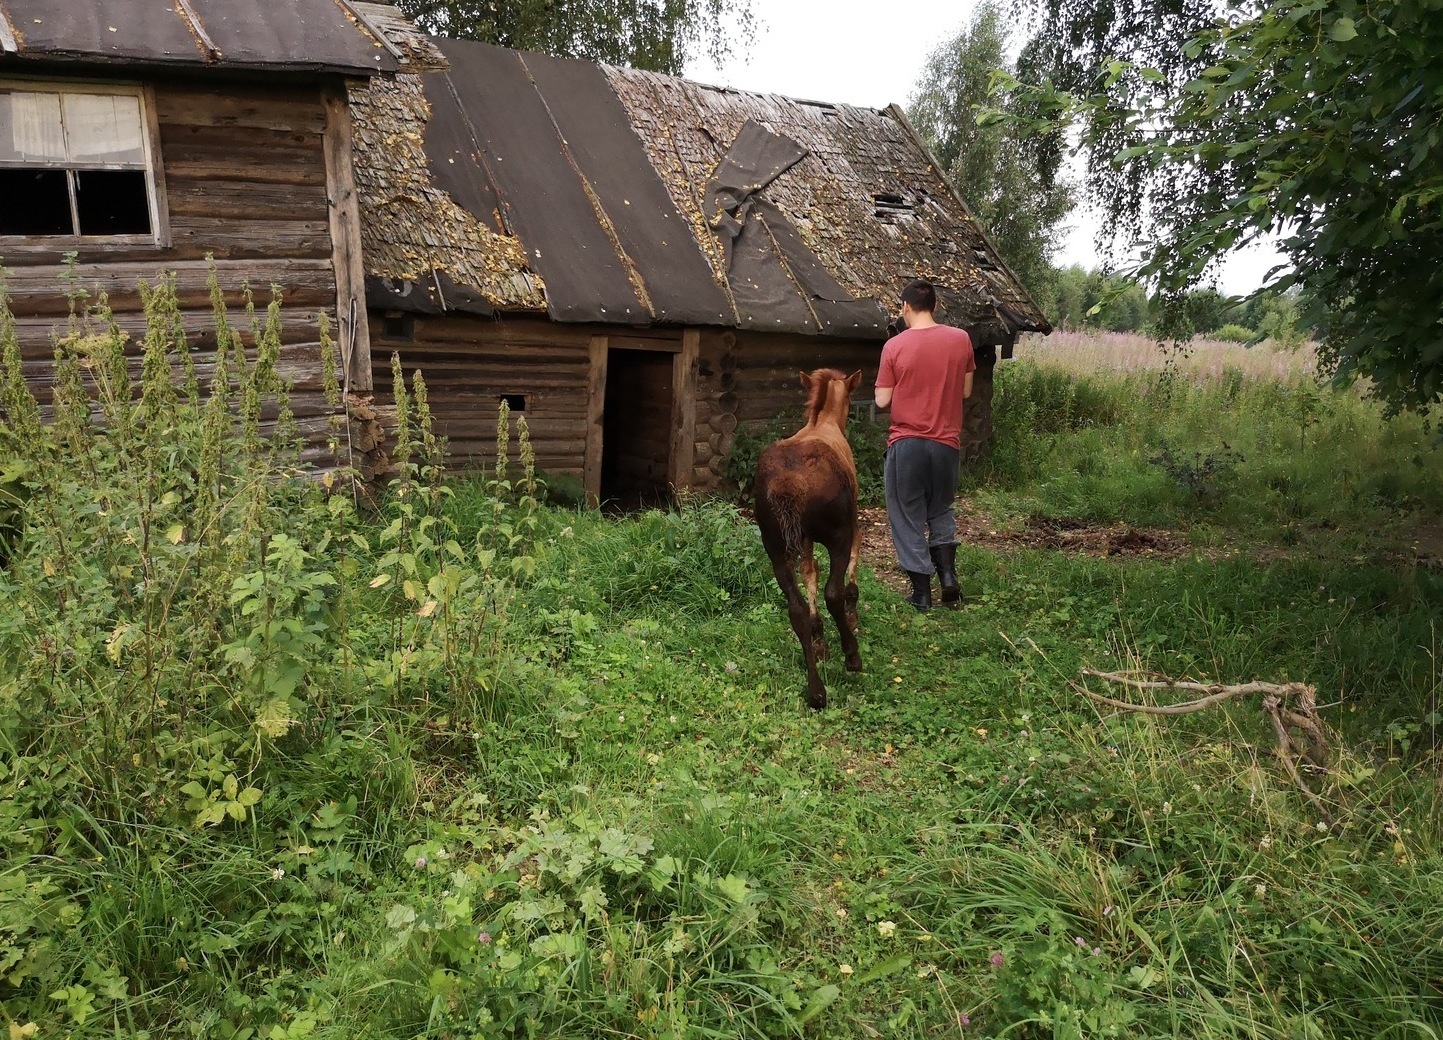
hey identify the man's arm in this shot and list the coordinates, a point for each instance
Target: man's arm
(966, 385)
(883, 396)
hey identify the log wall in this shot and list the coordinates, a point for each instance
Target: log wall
(468, 363)
(241, 176)
(742, 380)
(745, 380)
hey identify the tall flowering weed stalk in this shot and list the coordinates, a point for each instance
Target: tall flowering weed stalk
(149, 606)
(450, 583)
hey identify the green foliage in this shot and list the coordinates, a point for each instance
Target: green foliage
(1010, 180)
(1074, 298)
(1231, 333)
(1268, 122)
(185, 613)
(1203, 474)
(580, 927)
(1031, 407)
(655, 35)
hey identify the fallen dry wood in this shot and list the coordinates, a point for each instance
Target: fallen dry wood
(1290, 706)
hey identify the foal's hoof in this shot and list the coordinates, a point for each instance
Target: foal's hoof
(854, 664)
(817, 696)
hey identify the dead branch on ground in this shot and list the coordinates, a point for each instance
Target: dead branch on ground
(1290, 706)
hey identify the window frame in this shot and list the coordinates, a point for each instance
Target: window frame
(144, 93)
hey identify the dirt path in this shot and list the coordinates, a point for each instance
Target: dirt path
(1058, 534)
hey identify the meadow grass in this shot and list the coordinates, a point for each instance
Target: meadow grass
(525, 771)
(1089, 352)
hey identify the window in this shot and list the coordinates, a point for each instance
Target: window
(398, 326)
(514, 402)
(74, 163)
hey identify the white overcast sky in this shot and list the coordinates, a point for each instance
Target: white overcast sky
(867, 53)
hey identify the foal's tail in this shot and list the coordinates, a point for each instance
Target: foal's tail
(787, 507)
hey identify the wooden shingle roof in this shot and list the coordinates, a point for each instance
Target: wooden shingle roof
(496, 180)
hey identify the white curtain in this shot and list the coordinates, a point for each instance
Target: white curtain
(98, 128)
(36, 133)
(104, 128)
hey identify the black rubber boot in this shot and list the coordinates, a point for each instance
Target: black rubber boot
(921, 597)
(944, 558)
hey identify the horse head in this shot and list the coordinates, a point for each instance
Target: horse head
(829, 394)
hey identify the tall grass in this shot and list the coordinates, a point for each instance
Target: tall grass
(1286, 458)
(1085, 353)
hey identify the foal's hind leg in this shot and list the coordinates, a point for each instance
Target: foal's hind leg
(809, 579)
(842, 602)
(801, 618)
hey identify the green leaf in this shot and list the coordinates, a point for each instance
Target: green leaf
(821, 1000)
(733, 887)
(890, 966)
(1343, 30)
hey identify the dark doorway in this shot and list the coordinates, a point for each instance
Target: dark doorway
(636, 429)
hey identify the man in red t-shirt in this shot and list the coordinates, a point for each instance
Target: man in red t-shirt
(925, 375)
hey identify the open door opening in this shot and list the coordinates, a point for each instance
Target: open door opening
(637, 434)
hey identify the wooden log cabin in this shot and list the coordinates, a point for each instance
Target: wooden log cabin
(640, 264)
(145, 137)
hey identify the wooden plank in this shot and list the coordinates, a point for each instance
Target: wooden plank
(243, 200)
(250, 166)
(297, 239)
(302, 147)
(159, 203)
(238, 107)
(683, 411)
(40, 290)
(345, 228)
(595, 417)
(668, 344)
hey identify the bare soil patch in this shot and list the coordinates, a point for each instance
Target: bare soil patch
(1057, 534)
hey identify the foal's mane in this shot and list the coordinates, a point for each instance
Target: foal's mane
(821, 382)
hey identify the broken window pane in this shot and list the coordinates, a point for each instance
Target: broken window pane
(112, 202)
(73, 163)
(36, 202)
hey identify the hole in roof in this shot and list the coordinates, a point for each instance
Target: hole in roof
(890, 208)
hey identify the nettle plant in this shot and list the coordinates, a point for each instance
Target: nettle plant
(150, 609)
(186, 611)
(579, 927)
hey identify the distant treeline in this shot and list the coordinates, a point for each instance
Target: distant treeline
(1075, 298)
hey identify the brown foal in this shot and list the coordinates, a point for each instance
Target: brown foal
(806, 493)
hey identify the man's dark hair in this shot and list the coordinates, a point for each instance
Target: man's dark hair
(921, 294)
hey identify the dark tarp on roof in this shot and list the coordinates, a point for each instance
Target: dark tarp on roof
(552, 143)
(308, 35)
(544, 199)
(607, 195)
(777, 281)
(545, 145)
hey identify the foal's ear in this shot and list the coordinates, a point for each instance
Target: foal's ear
(853, 380)
(806, 381)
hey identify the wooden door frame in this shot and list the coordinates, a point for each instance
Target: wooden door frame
(681, 459)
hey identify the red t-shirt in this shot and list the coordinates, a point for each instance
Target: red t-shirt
(926, 369)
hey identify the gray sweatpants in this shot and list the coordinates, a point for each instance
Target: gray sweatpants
(921, 478)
